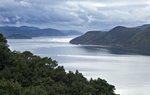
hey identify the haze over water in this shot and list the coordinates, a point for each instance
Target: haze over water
(127, 71)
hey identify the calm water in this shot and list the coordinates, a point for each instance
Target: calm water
(130, 73)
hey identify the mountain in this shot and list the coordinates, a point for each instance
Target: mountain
(119, 36)
(143, 27)
(141, 39)
(18, 36)
(91, 37)
(71, 32)
(30, 31)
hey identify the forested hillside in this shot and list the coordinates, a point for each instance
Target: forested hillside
(28, 74)
(120, 36)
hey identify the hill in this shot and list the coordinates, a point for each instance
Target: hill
(143, 27)
(91, 37)
(72, 32)
(18, 36)
(29, 31)
(119, 36)
(9, 31)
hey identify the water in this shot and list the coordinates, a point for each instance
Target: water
(129, 72)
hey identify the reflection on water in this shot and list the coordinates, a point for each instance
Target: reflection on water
(127, 70)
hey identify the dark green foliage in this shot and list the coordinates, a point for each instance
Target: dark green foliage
(9, 87)
(4, 52)
(2, 39)
(28, 74)
(101, 86)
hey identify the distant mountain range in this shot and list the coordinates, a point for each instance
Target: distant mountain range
(18, 36)
(72, 32)
(29, 32)
(120, 36)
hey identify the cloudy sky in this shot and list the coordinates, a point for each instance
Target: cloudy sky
(75, 14)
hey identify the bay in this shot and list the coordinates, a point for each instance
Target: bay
(128, 71)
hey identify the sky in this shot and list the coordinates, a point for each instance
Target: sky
(83, 15)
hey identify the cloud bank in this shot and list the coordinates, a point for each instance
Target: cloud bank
(75, 14)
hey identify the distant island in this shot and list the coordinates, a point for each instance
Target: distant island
(120, 36)
(26, 32)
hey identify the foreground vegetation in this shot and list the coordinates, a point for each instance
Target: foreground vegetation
(28, 74)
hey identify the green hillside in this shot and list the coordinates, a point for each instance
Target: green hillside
(119, 36)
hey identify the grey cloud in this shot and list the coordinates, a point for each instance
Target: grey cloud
(76, 14)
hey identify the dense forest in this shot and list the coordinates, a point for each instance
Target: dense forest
(27, 74)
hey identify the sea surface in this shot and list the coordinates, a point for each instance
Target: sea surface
(129, 72)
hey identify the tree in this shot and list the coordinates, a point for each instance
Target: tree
(101, 87)
(4, 52)
(9, 87)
